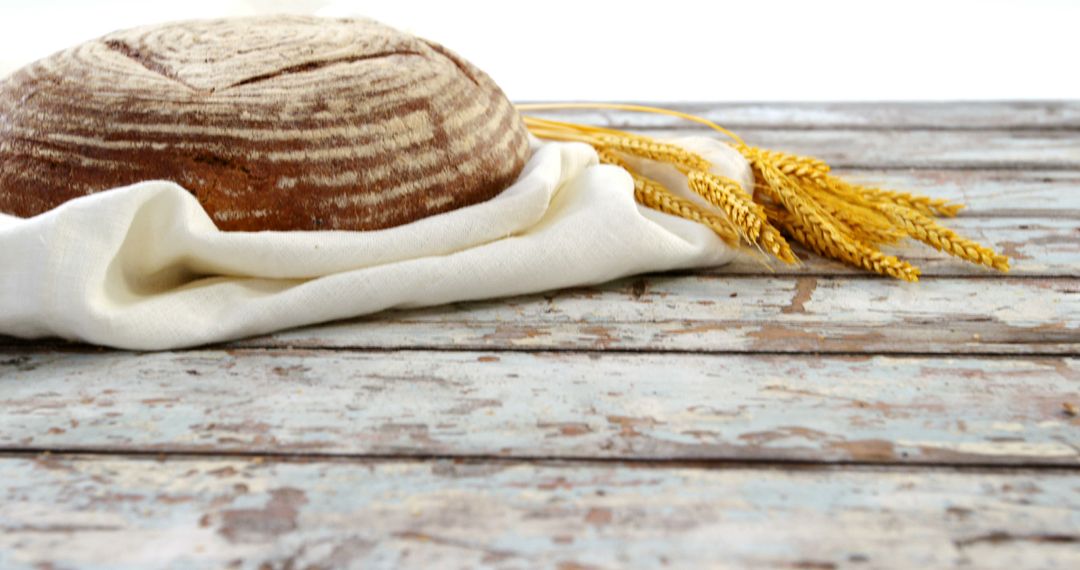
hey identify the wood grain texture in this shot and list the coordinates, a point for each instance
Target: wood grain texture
(917, 149)
(626, 447)
(1037, 247)
(893, 115)
(986, 193)
(709, 313)
(557, 405)
(120, 513)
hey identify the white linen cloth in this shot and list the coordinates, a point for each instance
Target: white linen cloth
(143, 267)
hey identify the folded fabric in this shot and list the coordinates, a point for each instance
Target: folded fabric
(143, 267)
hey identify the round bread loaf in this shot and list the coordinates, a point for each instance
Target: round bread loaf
(274, 123)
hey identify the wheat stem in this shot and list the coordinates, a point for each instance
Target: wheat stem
(798, 194)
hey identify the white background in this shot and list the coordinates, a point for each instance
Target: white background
(671, 50)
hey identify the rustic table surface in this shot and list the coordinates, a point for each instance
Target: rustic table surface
(744, 416)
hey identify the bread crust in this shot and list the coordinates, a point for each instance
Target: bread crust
(273, 123)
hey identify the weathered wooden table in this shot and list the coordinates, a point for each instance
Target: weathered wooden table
(813, 417)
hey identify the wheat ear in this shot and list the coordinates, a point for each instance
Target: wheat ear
(928, 231)
(795, 195)
(654, 195)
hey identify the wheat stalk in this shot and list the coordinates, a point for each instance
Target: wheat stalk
(775, 244)
(729, 196)
(798, 195)
(724, 193)
(790, 164)
(855, 253)
(826, 229)
(654, 195)
(866, 223)
(943, 239)
(922, 204)
(653, 150)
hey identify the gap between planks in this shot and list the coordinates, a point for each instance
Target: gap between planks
(634, 462)
(13, 352)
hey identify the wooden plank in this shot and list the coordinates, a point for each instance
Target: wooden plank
(981, 115)
(705, 312)
(114, 512)
(986, 193)
(1036, 247)
(921, 149)
(722, 313)
(562, 405)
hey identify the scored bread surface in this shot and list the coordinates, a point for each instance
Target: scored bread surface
(274, 123)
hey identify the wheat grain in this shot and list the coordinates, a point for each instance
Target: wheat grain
(653, 150)
(922, 204)
(854, 253)
(865, 223)
(811, 225)
(943, 239)
(790, 164)
(726, 194)
(775, 244)
(654, 195)
(782, 189)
